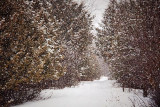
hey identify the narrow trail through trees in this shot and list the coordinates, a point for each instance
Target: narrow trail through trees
(99, 93)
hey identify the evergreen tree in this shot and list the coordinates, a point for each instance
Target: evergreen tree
(42, 45)
(129, 43)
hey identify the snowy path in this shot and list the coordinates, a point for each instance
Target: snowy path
(99, 93)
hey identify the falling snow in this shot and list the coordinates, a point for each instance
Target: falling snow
(79, 53)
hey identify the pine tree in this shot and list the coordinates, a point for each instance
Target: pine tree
(129, 43)
(41, 46)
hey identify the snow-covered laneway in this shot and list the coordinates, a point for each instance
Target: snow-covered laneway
(98, 93)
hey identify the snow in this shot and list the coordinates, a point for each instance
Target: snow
(98, 93)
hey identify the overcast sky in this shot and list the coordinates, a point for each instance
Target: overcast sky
(96, 7)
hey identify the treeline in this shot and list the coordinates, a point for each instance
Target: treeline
(130, 42)
(43, 44)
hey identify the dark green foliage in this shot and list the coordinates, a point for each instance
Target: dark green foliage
(42, 44)
(129, 42)
(156, 97)
(18, 40)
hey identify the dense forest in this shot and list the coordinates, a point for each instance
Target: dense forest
(49, 44)
(43, 44)
(129, 41)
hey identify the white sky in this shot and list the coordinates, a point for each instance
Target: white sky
(96, 7)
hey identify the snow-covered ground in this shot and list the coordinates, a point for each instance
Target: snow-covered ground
(98, 93)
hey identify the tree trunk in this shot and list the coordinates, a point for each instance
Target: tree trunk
(123, 87)
(145, 93)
